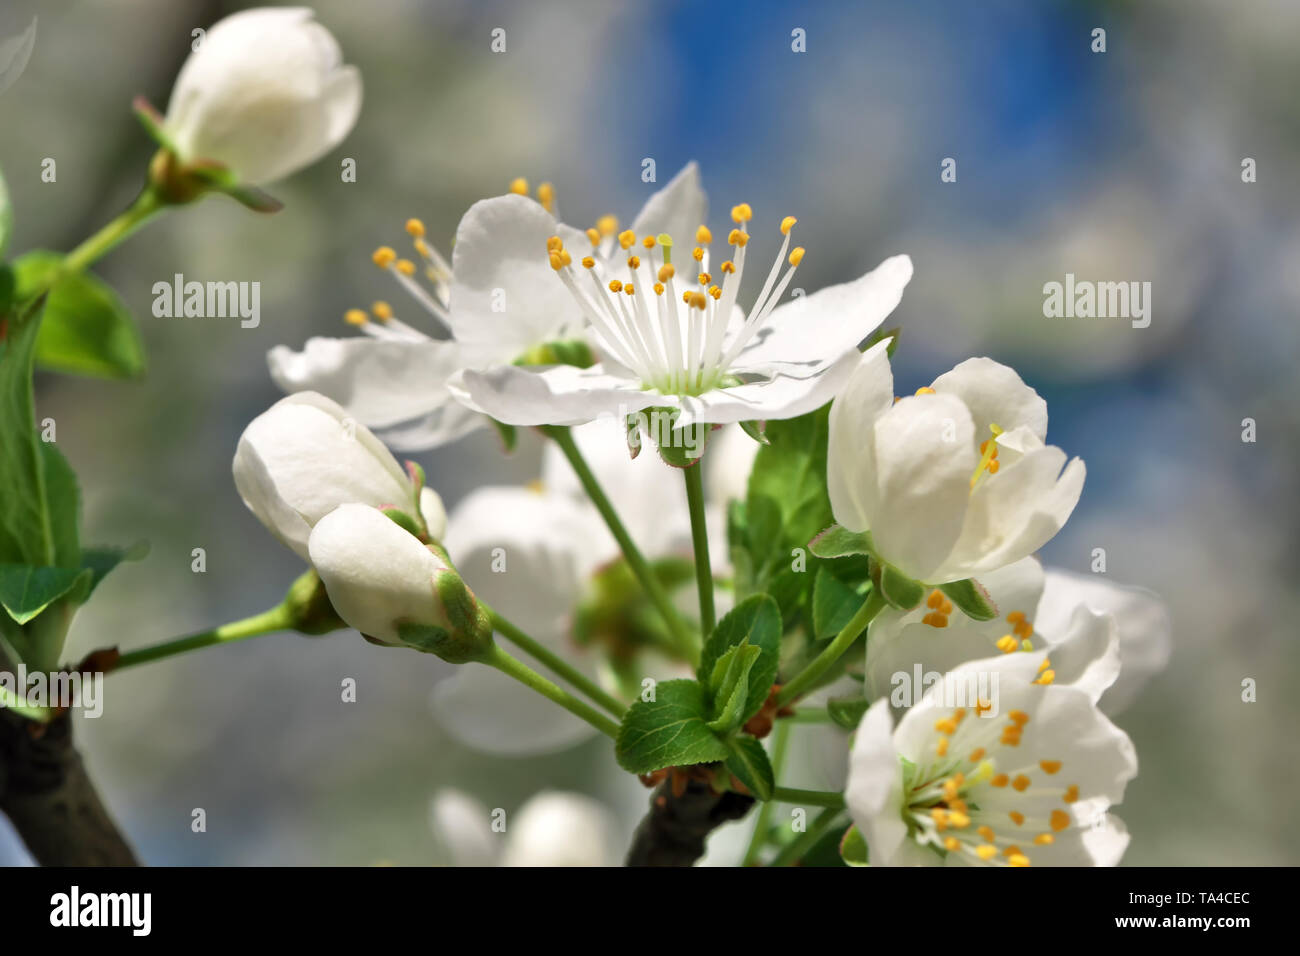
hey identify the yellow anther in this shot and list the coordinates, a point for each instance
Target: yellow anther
(659, 288)
(1046, 677)
(741, 213)
(648, 242)
(384, 257)
(935, 619)
(946, 726)
(414, 228)
(1017, 817)
(686, 296)
(557, 260)
(1017, 859)
(1059, 820)
(634, 262)
(703, 236)
(546, 196)
(787, 224)
(941, 748)
(1001, 780)
(629, 288)
(977, 755)
(593, 236)
(356, 317)
(986, 851)
(728, 267)
(796, 256)
(666, 272)
(615, 285)
(607, 225)
(406, 267)
(588, 262)
(421, 247)
(925, 390)
(982, 707)
(1010, 736)
(1044, 839)
(958, 820)
(935, 600)
(1021, 783)
(1006, 644)
(715, 291)
(1050, 766)
(697, 254)
(1018, 717)
(1016, 617)
(381, 311)
(952, 844)
(519, 186)
(699, 300)
(737, 238)
(1071, 793)
(554, 244)
(986, 832)
(946, 608)
(704, 278)
(626, 238)
(1045, 665)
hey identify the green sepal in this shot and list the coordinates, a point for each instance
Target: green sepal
(756, 430)
(847, 711)
(471, 626)
(833, 605)
(508, 434)
(972, 598)
(898, 589)
(403, 520)
(853, 847)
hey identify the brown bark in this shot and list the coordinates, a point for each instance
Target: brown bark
(50, 799)
(674, 832)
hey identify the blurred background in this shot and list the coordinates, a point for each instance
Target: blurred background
(1123, 165)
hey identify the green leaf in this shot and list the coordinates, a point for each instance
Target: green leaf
(100, 561)
(63, 502)
(26, 591)
(87, 330)
(853, 847)
(972, 598)
(756, 621)
(791, 470)
(25, 533)
(847, 711)
(668, 731)
(748, 761)
(834, 604)
(898, 589)
(838, 542)
(6, 219)
(729, 686)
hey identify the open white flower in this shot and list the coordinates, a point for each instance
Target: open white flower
(531, 551)
(953, 785)
(1068, 624)
(265, 94)
(671, 336)
(953, 481)
(553, 828)
(304, 456)
(498, 300)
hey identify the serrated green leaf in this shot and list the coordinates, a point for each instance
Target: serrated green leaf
(26, 591)
(748, 761)
(669, 731)
(972, 598)
(838, 542)
(729, 686)
(847, 711)
(87, 329)
(899, 590)
(757, 621)
(834, 604)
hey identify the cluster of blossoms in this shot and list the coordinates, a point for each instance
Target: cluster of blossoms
(942, 497)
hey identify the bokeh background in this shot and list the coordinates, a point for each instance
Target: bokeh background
(1124, 165)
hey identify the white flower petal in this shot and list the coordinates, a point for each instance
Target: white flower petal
(489, 712)
(815, 330)
(851, 454)
(995, 395)
(775, 397)
(559, 395)
(874, 792)
(463, 827)
(677, 209)
(561, 829)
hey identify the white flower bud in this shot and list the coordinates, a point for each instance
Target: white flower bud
(266, 93)
(303, 457)
(390, 587)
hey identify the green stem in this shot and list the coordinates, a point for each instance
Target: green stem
(686, 641)
(805, 715)
(795, 850)
(700, 539)
(806, 679)
(521, 672)
(277, 618)
(780, 745)
(813, 798)
(145, 207)
(559, 665)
